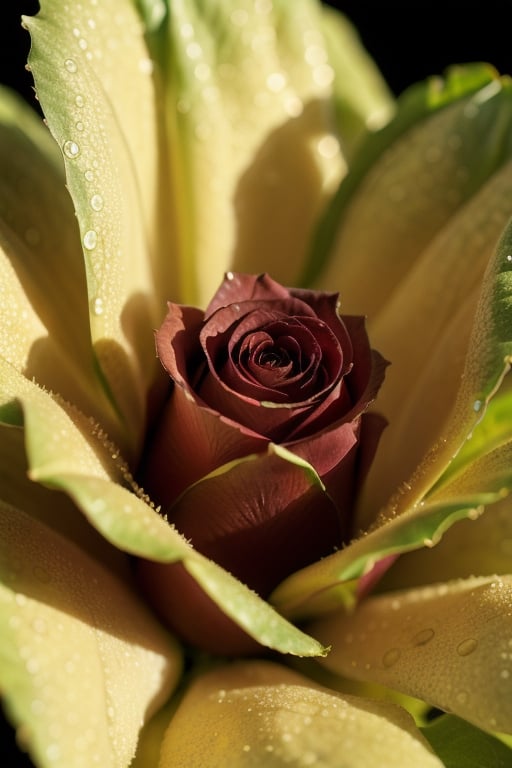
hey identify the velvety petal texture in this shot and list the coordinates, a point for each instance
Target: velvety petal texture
(255, 458)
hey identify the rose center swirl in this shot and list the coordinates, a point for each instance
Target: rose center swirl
(287, 357)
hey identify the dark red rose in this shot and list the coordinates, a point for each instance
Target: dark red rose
(266, 379)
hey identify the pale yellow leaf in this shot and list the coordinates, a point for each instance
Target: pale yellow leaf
(83, 662)
(449, 644)
(258, 713)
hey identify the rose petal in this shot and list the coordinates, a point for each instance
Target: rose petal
(267, 509)
(239, 286)
(259, 518)
(191, 441)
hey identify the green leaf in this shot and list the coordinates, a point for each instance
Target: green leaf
(447, 644)
(333, 581)
(491, 432)
(48, 506)
(423, 114)
(461, 745)
(487, 361)
(264, 714)
(82, 59)
(414, 236)
(79, 679)
(482, 546)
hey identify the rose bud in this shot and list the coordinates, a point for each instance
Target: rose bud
(262, 443)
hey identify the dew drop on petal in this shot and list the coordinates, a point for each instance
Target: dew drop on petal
(466, 647)
(328, 147)
(276, 81)
(52, 752)
(146, 66)
(71, 149)
(323, 75)
(90, 239)
(97, 306)
(423, 637)
(194, 50)
(41, 574)
(293, 105)
(96, 202)
(391, 657)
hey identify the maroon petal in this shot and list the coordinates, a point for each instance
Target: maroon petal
(369, 367)
(191, 441)
(190, 612)
(333, 454)
(237, 287)
(261, 519)
(177, 343)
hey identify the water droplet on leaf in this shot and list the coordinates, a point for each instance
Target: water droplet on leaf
(391, 657)
(71, 149)
(90, 239)
(423, 637)
(96, 202)
(466, 647)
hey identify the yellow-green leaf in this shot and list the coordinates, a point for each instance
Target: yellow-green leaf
(67, 452)
(482, 546)
(333, 581)
(448, 644)
(363, 102)
(399, 191)
(42, 278)
(259, 713)
(252, 153)
(83, 58)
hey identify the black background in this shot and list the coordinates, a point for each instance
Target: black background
(408, 41)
